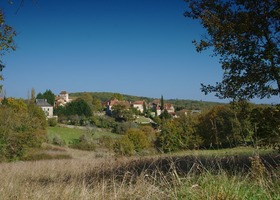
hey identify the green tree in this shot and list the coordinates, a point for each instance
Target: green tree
(78, 107)
(7, 34)
(217, 127)
(40, 96)
(189, 136)
(138, 138)
(49, 95)
(161, 103)
(145, 110)
(266, 121)
(150, 133)
(169, 138)
(22, 127)
(117, 96)
(33, 95)
(96, 104)
(178, 134)
(245, 36)
(121, 113)
(88, 98)
(165, 115)
(124, 146)
(242, 111)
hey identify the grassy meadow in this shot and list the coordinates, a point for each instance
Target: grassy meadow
(86, 176)
(68, 134)
(238, 173)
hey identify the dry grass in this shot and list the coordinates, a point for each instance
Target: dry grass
(70, 179)
(88, 176)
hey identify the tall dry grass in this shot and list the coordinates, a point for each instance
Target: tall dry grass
(158, 177)
(72, 179)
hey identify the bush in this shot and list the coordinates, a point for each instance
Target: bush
(103, 121)
(122, 127)
(52, 122)
(124, 146)
(83, 143)
(22, 127)
(134, 141)
(138, 138)
(58, 141)
(150, 133)
(107, 142)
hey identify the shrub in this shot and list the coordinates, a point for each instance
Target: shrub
(149, 132)
(124, 146)
(85, 142)
(138, 138)
(122, 127)
(103, 121)
(134, 141)
(107, 142)
(52, 122)
(22, 127)
(58, 141)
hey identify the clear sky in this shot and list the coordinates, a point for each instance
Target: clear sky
(135, 47)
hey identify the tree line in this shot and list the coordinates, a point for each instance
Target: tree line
(220, 126)
(22, 128)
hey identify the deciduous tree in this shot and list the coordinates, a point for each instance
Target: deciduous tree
(121, 113)
(78, 107)
(245, 35)
(7, 34)
(22, 127)
(266, 121)
(219, 127)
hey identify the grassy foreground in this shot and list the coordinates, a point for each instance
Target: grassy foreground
(181, 176)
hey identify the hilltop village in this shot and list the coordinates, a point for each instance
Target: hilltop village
(141, 106)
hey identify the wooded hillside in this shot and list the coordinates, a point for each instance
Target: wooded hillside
(178, 103)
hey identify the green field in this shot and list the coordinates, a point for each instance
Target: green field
(142, 120)
(70, 134)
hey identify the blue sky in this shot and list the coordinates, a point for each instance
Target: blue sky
(136, 47)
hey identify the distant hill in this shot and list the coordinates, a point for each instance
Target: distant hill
(178, 103)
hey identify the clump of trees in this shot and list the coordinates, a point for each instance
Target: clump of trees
(48, 95)
(76, 112)
(22, 127)
(178, 134)
(224, 126)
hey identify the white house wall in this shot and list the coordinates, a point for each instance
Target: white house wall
(48, 111)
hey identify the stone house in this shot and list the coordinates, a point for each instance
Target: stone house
(114, 102)
(156, 107)
(62, 99)
(45, 106)
(139, 105)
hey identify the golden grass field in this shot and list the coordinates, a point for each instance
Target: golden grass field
(97, 175)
